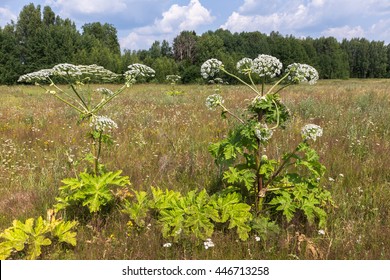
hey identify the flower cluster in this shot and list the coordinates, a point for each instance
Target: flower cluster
(97, 72)
(244, 66)
(213, 101)
(105, 91)
(210, 68)
(102, 123)
(41, 75)
(66, 69)
(311, 131)
(299, 73)
(173, 79)
(263, 133)
(208, 243)
(266, 65)
(139, 70)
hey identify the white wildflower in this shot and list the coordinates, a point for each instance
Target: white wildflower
(311, 131)
(167, 245)
(245, 65)
(102, 123)
(213, 101)
(331, 179)
(299, 73)
(266, 65)
(208, 243)
(97, 73)
(41, 75)
(210, 68)
(341, 175)
(257, 238)
(105, 91)
(66, 69)
(173, 79)
(321, 232)
(263, 133)
(139, 70)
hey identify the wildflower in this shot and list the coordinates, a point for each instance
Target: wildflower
(101, 123)
(139, 70)
(331, 179)
(167, 245)
(257, 238)
(245, 65)
(41, 75)
(321, 232)
(266, 65)
(299, 73)
(105, 91)
(263, 133)
(66, 69)
(210, 68)
(341, 175)
(97, 72)
(311, 131)
(173, 79)
(213, 101)
(208, 243)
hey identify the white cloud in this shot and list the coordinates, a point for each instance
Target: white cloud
(345, 32)
(6, 16)
(175, 19)
(88, 6)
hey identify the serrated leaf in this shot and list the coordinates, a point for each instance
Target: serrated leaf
(63, 231)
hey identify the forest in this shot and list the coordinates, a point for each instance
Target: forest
(40, 39)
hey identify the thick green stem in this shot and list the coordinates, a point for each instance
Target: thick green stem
(242, 81)
(230, 113)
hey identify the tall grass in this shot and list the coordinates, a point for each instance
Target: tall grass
(162, 141)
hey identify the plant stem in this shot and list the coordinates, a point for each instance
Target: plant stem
(230, 113)
(242, 81)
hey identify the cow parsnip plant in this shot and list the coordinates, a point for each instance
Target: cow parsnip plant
(284, 186)
(173, 80)
(93, 189)
(27, 239)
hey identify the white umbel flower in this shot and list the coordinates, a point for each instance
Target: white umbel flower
(302, 73)
(41, 75)
(244, 66)
(210, 68)
(102, 123)
(267, 66)
(311, 131)
(137, 70)
(213, 101)
(208, 243)
(263, 133)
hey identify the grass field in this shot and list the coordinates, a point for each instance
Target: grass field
(162, 141)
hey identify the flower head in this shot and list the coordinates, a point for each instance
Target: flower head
(167, 245)
(266, 65)
(210, 68)
(102, 123)
(213, 101)
(245, 65)
(66, 69)
(208, 243)
(263, 133)
(311, 131)
(139, 70)
(300, 73)
(41, 75)
(97, 72)
(173, 79)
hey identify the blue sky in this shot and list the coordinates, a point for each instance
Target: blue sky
(141, 22)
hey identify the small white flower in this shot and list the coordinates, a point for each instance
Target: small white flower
(263, 133)
(266, 65)
(173, 79)
(299, 73)
(244, 66)
(331, 179)
(213, 101)
(341, 175)
(139, 70)
(41, 75)
(210, 68)
(208, 243)
(167, 245)
(321, 232)
(257, 238)
(101, 123)
(311, 131)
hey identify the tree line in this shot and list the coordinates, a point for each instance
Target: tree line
(40, 39)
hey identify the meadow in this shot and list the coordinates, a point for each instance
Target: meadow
(162, 141)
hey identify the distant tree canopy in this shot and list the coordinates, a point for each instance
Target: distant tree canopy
(40, 39)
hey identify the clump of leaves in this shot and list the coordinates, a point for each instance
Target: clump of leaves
(94, 192)
(25, 240)
(194, 214)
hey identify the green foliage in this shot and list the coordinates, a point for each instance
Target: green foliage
(95, 192)
(194, 214)
(27, 239)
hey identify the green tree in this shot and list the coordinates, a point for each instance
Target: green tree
(184, 46)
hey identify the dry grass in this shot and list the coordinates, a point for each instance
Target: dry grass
(162, 141)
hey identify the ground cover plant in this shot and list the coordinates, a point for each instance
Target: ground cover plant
(163, 141)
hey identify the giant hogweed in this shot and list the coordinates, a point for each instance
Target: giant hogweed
(284, 185)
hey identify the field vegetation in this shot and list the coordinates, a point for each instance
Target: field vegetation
(162, 141)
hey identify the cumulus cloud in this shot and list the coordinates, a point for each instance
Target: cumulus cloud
(88, 6)
(345, 32)
(346, 18)
(177, 18)
(6, 16)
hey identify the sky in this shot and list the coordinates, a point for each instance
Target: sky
(141, 22)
